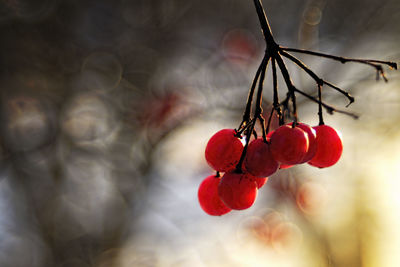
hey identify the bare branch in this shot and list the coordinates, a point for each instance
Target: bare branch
(329, 109)
(317, 79)
(371, 62)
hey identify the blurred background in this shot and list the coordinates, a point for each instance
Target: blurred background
(106, 108)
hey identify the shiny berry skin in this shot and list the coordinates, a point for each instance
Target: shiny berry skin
(329, 147)
(237, 190)
(259, 161)
(281, 166)
(289, 145)
(208, 197)
(312, 143)
(260, 181)
(285, 166)
(223, 150)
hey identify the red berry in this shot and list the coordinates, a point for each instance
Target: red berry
(237, 190)
(208, 197)
(285, 166)
(259, 161)
(329, 147)
(223, 150)
(260, 181)
(269, 135)
(281, 166)
(289, 145)
(312, 143)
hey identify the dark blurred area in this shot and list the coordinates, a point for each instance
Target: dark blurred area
(106, 107)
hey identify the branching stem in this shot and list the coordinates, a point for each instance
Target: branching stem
(318, 80)
(377, 64)
(257, 113)
(274, 52)
(247, 112)
(266, 28)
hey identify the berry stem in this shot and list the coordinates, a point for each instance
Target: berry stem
(248, 136)
(257, 113)
(276, 104)
(262, 123)
(255, 134)
(321, 119)
(246, 114)
(258, 109)
(289, 85)
(269, 120)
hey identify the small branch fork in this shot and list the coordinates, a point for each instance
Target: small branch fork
(274, 54)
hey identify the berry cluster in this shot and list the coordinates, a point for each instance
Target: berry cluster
(246, 167)
(290, 144)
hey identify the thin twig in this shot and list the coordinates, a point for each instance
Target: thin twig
(269, 120)
(321, 118)
(257, 114)
(371, 62)
(330, 109)
(289, 83)
(350, 97)
(246, 114)
(276, 105)
(259, 110)
(249, 131)
(317, 79)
